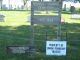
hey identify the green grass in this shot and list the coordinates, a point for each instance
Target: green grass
(15, 18)
(15, 30)
(67, 18)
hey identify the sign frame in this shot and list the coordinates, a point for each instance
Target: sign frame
(45, 19)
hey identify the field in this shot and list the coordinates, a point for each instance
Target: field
(16, 31)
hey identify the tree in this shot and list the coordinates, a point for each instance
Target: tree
(25, 1)
(1, 4)
(78, 0)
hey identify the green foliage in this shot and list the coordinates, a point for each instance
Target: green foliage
(78, 0)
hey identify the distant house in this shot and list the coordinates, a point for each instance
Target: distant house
(12, 4)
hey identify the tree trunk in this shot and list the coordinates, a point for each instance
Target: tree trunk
(0, 5)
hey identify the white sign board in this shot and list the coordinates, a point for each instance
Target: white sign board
(42, 6)
(56, 48)
(45, 20)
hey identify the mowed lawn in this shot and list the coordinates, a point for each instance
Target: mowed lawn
(15, 18)
(16, 31)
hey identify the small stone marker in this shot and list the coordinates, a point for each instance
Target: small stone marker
(17, 49)
(2, 18)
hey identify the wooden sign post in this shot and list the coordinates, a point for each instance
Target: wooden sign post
(46, 19)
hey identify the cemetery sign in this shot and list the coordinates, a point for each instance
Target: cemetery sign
(57, 48)
(42, 6)
(46, 6)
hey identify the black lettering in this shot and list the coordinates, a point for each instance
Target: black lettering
(49, 48)
(51, 44)
(55, 51)
(58, 48)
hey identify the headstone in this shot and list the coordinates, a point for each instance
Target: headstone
(17, 49)
(72, 9)
(20, 49)
(2, 18)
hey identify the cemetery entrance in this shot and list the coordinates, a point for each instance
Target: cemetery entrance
(42, 37)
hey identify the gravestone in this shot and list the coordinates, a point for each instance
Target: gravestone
(17, 49)
(72, 9)
(2, 18)
(20, 49)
